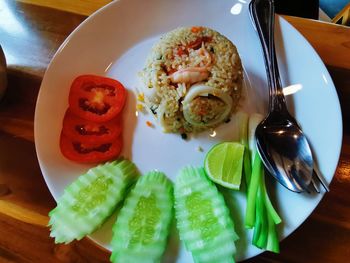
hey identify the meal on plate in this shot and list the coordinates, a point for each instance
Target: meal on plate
(192, 79)
(193, 82)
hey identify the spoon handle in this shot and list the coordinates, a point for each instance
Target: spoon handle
(262, 13)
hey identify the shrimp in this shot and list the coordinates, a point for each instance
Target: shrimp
(190, 75)
(204, 52)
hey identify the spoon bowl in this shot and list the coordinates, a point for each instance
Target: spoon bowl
(3, 79)
(285, 151)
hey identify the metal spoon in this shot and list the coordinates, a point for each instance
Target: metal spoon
(3, 79)
(281, 143)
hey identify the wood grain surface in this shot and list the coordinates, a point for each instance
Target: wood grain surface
(30, 35)
(332, 42)
(83, 7)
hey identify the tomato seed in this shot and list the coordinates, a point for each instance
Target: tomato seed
(106, 89)
(80, 148)
(85, 130)
(100, 109)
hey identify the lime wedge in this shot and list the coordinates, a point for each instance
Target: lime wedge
(223, 164)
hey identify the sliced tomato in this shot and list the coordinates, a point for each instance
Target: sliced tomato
(96, 98)
(85, 131)
(89, 153)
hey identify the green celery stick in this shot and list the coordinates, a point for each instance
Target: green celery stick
(252, 192)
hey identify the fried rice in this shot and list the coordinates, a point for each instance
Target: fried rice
(192, 79)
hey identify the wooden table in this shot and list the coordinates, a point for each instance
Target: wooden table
(30, 35)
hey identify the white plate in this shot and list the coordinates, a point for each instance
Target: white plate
(115, 41)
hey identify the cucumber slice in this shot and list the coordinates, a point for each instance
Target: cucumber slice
(141, 230)
(203, 220)
(90, 200)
